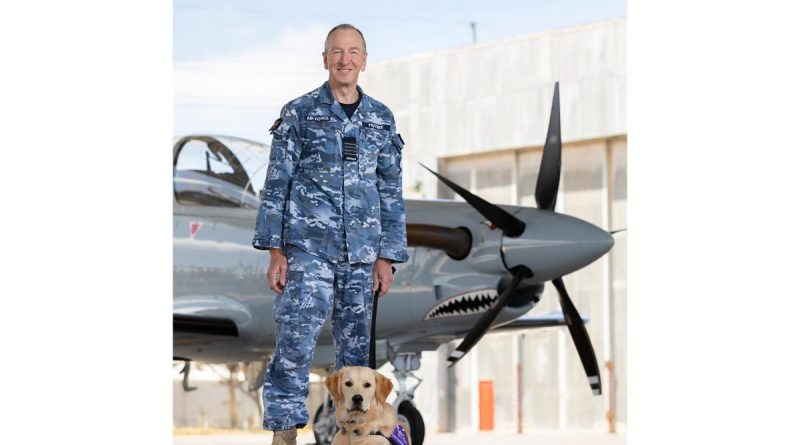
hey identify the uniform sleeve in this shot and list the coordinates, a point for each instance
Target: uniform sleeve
(283, 158)
(393, 245)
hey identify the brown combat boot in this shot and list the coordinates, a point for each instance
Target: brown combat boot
(285, 437)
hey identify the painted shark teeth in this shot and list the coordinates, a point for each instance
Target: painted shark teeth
(469, 303)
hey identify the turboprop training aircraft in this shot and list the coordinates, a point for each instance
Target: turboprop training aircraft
(474, 267)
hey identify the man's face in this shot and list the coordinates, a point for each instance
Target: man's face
(345, 57)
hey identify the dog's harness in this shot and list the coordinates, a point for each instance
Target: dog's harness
(398, 436)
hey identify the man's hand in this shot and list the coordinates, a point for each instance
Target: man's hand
(382, 276)
(276, 274)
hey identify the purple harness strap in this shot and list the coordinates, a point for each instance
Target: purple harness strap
(398, 436)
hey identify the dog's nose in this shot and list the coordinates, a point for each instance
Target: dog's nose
(358, 398)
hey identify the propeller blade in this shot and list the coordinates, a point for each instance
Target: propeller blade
(508, 223)
(550, 168)
(485, 322)
(580, 337)
(614, 232)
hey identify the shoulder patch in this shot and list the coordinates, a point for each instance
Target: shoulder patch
(397, 140)
(275, 125)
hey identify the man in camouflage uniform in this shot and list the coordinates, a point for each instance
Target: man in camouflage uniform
(333, 219)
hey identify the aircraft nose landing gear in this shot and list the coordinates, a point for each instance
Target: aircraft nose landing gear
(405, 364)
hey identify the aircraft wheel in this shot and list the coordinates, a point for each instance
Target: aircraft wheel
(411, 419)
(324, 426)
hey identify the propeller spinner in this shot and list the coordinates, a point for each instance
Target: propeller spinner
(514, 228)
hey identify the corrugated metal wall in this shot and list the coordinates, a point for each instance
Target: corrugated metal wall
(480, 115)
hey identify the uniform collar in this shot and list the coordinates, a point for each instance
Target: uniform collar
(326, 97)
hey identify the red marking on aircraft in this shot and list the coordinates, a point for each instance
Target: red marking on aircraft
(194, 227)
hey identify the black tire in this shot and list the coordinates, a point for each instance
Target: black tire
(410, 417)
(324, 432)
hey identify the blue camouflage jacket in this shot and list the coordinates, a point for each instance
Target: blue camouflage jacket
(325, 196)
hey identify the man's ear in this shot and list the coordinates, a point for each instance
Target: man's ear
(332, 383)
(384, 387)
(324, 60)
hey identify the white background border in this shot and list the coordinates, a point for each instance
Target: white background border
(85, 115)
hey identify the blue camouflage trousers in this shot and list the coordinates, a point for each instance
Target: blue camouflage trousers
(313, 286)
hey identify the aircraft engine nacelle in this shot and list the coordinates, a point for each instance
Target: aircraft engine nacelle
(486, 241)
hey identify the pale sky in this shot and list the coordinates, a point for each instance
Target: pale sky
(237, 62)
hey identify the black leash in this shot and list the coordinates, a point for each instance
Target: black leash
(372, 328)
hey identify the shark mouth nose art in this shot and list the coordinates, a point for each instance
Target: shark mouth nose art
(469, 303)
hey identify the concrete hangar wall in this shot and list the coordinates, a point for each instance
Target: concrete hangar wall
(479, 114)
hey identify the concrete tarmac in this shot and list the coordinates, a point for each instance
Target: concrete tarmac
(307, 438)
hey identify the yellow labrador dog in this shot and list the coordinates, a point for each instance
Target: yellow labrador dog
(362, 414)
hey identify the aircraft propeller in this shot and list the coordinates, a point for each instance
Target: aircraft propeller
(550, 167)
(508, 223)
(546, 194)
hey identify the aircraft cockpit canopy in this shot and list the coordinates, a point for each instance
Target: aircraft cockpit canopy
(219, 171)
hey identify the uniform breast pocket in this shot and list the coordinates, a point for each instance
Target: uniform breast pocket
(320, 146)
(374, 140)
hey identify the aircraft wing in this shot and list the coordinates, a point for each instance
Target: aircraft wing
(555, 318)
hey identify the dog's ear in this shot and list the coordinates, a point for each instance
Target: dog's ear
(332, 383)
(383, 387)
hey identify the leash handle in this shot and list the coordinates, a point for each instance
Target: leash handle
(372, 327)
